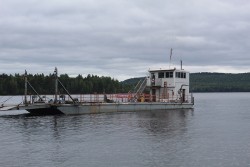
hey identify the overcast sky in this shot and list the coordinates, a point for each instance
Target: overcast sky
(123, 38)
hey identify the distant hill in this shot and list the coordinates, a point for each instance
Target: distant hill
(220, 82)
(132, 81)
(213, 82)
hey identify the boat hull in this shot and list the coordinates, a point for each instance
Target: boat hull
(45, 111)
(120, 107)
(91, 108)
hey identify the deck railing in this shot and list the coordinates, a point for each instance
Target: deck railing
(101, 98)
(95, 98)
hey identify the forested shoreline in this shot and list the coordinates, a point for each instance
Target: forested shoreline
(44, 84)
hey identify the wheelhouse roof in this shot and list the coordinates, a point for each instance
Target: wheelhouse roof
(167, 70)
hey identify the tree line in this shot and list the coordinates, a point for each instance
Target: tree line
(45, 84)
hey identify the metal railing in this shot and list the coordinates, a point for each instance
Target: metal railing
(95, 98)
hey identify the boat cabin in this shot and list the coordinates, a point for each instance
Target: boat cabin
(168, 85)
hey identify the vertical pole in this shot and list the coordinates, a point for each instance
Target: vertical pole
(170, 57)
(192, 98)
(25, 87)
(56, 85)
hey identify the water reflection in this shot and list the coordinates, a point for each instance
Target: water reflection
(152, 123)
(164, 122)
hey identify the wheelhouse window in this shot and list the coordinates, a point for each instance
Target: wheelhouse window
(180, 75)
(169, 74)
(161, 75)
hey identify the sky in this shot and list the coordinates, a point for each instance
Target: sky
(123, 38)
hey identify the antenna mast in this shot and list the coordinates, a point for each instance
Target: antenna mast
(25, 87)
(181, 65)
(170, 57)
(56, 84)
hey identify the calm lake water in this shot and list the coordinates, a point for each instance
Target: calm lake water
(215, 133)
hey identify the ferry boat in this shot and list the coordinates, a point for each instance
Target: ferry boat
(168, 89)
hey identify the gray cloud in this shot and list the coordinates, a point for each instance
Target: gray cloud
(123, 38)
